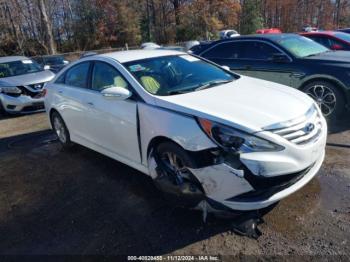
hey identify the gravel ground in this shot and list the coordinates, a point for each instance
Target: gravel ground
(54, 201)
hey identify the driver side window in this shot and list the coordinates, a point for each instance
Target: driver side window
(105, 76)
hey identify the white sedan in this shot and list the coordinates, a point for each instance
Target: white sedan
(207, 136)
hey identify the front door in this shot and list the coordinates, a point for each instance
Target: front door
(112, 122)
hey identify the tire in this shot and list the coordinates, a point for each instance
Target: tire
(328, 97)
(179, 187)
(2, 110)
(61, 130)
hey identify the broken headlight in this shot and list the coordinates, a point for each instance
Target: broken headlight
(10, 90)
(230, 138)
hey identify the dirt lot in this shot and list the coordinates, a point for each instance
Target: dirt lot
(80, 202)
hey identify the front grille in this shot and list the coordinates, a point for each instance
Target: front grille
(30, 91)
(37, 86)
(308, 129)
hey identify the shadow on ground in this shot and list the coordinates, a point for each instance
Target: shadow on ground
(80, 202)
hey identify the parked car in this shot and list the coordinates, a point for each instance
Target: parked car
(228, 34)
(208, 137)
(269, 31)
(53, 62)
(344, 30)
(150, 45)
(309, 28)
(191, 44)
(291, 60)
(21, 85)
(331, 39)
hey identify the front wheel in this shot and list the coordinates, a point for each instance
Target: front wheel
(175, 179)
(328, 97)
(61, 130)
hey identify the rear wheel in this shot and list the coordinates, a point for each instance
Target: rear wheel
(61, 130)
(2, 110)
(328, 97)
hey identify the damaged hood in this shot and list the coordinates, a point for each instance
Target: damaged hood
(248, 104)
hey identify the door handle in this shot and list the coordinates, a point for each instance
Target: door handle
(60, 91)
(90, 103)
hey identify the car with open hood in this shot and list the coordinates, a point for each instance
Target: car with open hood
(208, 138)
(21, 85)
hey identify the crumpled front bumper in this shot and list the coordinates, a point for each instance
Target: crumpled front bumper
(223, 184)
(22, 104)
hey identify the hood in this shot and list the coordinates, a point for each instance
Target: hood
(248, 104)
(27, 79)
(340, 57)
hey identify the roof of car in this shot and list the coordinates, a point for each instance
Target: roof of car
(6, 59)
(132, 55)
(319, 33)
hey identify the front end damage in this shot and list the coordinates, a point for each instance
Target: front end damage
(224, 183)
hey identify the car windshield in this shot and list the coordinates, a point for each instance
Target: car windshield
(343, 36)
(20, 67)
(54, 60)
(170, 75)
(301, 46)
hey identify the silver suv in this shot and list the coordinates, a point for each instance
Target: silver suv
(21, 85)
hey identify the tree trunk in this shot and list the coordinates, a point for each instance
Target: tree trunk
(47, 27)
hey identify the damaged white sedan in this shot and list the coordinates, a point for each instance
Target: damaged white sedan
(208, 137)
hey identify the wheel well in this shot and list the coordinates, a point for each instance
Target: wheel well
(51, 112)
(158, 140)
(201, 158)
(333, 82)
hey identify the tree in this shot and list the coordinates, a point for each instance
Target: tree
(46, 27)
(251, 18)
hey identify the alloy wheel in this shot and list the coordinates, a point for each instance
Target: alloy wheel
(60, 129)
(324, 97)
(174, 164)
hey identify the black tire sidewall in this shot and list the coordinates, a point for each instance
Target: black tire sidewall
(2, 110)
(340, 101)
(68, 142)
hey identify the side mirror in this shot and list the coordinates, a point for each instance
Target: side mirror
(336, 47)
(226, 68)
(115, 92)
(46, 67)
(280, 58)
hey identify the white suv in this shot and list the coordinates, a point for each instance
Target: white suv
(204, 134)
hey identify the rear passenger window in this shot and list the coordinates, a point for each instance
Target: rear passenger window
(60, 79)
(230, 50)
(258, 51)
(77, 76)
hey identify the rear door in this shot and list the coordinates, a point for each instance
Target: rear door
(228, 54)
(71, 89)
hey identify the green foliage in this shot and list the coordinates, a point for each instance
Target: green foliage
(251, 18)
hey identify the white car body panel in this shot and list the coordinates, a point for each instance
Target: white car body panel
(183, 129)
(231, 104)
(225, 181)
(111, 127)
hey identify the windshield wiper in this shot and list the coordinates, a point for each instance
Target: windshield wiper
(327, 51)
(212, 83)
(177, 92)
